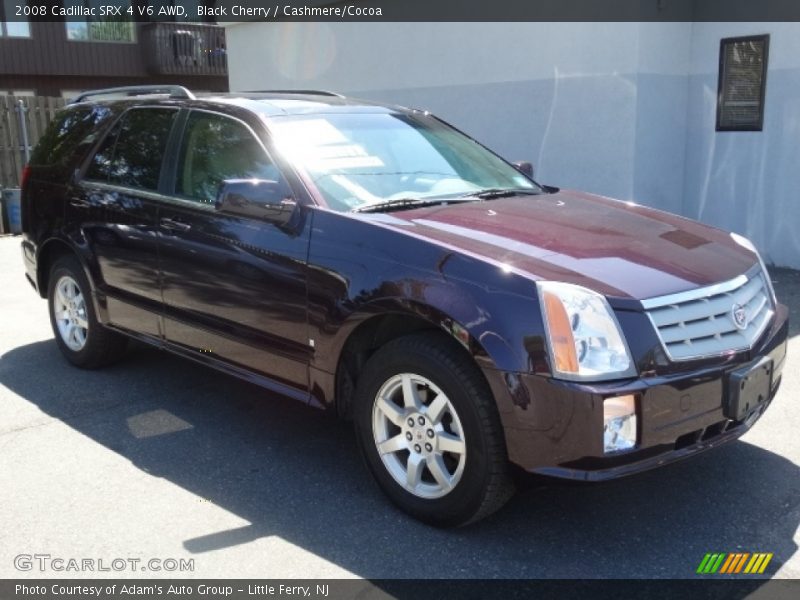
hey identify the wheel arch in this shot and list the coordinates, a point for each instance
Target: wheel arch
(367, 333)
(49, 252)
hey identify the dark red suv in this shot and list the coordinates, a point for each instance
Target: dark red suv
(375, 261)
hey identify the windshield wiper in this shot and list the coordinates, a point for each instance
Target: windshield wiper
(484, 194)
(403, 203)
(492, 193)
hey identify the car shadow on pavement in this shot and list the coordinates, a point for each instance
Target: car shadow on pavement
(294, 472)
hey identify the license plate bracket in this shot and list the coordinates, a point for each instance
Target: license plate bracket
(749, 388)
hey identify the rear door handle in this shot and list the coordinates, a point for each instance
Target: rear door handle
(79, 203)
(174, 225)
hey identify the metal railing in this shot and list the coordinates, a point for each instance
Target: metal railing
(184, 49)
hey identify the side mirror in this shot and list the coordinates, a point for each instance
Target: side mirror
(257, 199)
(525, 168)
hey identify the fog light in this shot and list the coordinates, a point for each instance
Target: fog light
(619, 423)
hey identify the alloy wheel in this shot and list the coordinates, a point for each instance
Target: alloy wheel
(69, 310)
(418, 435)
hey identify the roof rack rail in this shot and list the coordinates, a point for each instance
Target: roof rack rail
(174, 91)
(302, 92)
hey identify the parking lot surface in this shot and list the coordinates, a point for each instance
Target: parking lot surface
(160, 458)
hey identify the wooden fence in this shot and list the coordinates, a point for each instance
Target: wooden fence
(37, 111)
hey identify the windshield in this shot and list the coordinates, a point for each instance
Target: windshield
(357, 160)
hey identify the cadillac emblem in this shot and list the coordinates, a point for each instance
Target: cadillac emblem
(739, 316)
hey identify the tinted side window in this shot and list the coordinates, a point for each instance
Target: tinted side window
(131, 154)
(215, 148)
(70, 135)
(140, 147)
(100, 167)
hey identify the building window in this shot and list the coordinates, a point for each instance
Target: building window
(102, 27)
(20, 27)
(742, 83)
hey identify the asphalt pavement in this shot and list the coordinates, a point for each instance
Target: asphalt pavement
(160, 458)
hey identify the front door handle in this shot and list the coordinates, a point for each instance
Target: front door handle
(174, 225)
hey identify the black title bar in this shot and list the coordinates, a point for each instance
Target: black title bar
(404, 10)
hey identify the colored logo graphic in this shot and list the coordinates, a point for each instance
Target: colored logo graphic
(736, 562)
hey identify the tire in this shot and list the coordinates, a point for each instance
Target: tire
(444, 459)
(81, 338)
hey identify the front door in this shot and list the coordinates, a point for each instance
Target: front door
(234, 288)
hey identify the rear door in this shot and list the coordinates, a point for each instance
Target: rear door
(116, 203)
(234, 287)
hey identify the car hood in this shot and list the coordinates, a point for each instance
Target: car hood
(616, 248)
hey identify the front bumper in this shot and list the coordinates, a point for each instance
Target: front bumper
(555, 427)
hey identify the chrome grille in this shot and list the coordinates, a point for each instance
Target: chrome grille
(702, 322)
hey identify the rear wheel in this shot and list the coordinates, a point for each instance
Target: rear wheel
(80, 337)
(429, 431)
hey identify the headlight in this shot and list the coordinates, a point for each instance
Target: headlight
(584, 338)
(746, 243)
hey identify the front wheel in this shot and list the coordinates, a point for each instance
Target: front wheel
(429, 431)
